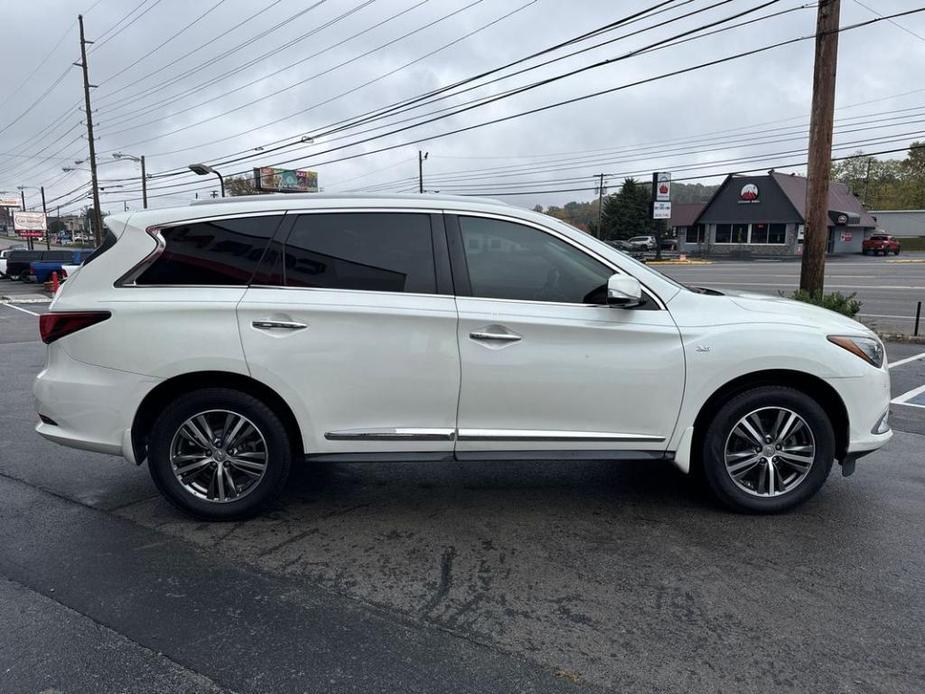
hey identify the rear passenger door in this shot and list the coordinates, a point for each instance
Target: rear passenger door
(352, 319)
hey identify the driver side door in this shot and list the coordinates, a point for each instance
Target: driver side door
(546, 366)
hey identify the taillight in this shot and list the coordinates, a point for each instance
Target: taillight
(53, 326)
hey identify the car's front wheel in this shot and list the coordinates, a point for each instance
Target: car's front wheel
(219, 454)
(768, 450)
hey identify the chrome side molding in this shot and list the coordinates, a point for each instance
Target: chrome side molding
(439, 434)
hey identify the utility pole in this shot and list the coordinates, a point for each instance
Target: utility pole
(144, 184)
(22, 197)
(421, 157)
(45, 212)
(812, 271)
(600, 207)
(866, 181)
(97, 213)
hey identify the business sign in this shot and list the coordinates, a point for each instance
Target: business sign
(846, 236)
(9, 202)
(749, 193)
(29, 221)
(662, 186)
(285, 180)
(661, 210)
(841, 219)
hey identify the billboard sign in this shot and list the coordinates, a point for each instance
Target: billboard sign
(662, 186)
(9, 202)
(272, 180)
(661, 210)
(29, 221)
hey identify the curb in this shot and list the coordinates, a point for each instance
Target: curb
(899, 337)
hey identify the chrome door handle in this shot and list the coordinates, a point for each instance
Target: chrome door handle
(498, 337)
(278, 324)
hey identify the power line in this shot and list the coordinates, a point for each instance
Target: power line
(893, 22)
(211, 61)
(287, 88)
(577, 99)
(165, 42)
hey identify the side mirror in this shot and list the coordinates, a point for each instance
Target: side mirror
(624, 291)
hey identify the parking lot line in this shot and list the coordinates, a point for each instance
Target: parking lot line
(19, 308)
(906, 360)
(910, 395)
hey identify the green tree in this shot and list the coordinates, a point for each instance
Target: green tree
(626, 212)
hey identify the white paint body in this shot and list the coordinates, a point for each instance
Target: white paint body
(383, 372)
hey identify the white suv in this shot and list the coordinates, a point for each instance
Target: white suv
(223, 341)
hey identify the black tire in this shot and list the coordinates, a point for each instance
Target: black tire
(896, 251)
(24, 276)
(865, 252)
(279, 453)
(720, 430)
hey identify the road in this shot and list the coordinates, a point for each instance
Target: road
(476, 577)
(888, 287)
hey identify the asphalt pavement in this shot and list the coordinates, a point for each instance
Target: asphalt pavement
(481, 577)
(888, 287)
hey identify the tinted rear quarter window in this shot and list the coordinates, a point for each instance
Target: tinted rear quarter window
(374, 251)
(215, 252)
(109, 240)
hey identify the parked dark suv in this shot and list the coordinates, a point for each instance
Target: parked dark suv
(18, 262)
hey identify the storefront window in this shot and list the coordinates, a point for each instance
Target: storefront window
(723, 233)
(740, 233)
(759, 233)
(777, 233)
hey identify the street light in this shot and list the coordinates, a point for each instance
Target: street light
(144, 178)
(204, 170)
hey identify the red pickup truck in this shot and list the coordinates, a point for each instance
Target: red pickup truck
(881, 243)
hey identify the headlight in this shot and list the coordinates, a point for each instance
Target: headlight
(867, 348)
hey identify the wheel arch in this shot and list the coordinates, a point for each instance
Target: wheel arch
(170, 389)
(813, 386)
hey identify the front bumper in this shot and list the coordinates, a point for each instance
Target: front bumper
(92, 407)
(867, 400)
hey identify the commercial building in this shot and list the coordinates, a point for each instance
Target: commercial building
(901, 223)
(765, 216)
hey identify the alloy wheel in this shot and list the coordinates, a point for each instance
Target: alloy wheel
(769, 452)
(218, 455)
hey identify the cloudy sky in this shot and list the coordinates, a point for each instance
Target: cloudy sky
(239, 83)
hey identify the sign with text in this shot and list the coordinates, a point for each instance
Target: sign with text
(9, 202)
(29, 221)
(272, 180)
(661, 210)
(662, 186)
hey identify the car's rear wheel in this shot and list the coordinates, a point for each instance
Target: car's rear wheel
(768, 450)
(219, 454)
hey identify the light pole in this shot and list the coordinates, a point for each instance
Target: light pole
(204, 170)
(144, 178)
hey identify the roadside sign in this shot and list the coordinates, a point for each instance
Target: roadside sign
(662, 186)
(29, 225)
(9, 202)
(661, 210)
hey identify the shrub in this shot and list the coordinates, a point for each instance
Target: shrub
(836, 301)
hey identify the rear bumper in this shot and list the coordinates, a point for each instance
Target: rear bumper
(92, 407)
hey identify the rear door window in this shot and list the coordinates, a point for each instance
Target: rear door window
(215, 252)
(373, 251)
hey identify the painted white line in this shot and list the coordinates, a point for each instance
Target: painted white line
(909, 404)
(906, 397)
(885, 287)
(19, 308)
(883, 315)
(906, 360)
